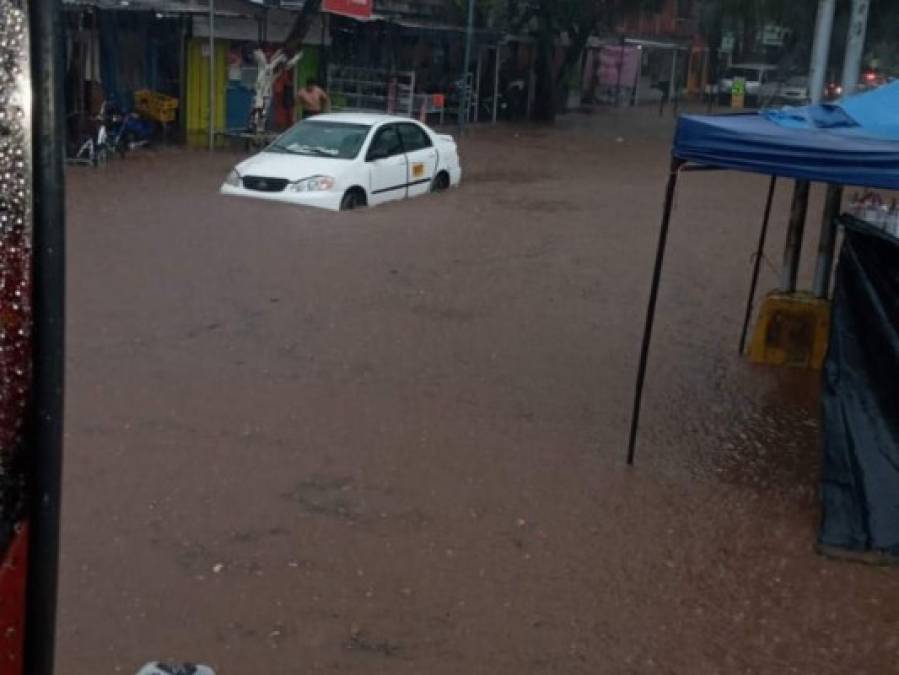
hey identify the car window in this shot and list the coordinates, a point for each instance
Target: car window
(386, 143)
(322, 139)
(414, 137)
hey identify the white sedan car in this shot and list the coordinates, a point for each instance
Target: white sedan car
(343, 161)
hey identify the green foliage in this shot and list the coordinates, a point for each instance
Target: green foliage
(746, 17)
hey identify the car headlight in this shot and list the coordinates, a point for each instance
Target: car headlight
(313, 184)
(233, 179)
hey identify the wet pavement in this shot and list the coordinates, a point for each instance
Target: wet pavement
(393, 441)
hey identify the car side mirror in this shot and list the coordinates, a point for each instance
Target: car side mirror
(377, 153)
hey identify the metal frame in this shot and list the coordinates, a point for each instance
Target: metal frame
(757, 264)
(679, 166)
(676, 165)
(44, 456)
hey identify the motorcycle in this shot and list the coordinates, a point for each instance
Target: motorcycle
(127, 131)
(114, 132)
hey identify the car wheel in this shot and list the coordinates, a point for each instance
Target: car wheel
(353, 199)
(441, 182)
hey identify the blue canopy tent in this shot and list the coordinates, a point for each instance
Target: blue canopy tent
(853, 142)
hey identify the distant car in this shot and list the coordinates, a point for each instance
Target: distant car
(870, 79)
(833, 91)
(793, 91)
(756, 76)
(344, 161)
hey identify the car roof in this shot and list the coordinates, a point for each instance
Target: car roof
(371, 119)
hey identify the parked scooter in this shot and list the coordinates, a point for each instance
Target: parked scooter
(114, 132)
(93, 150)
(127, 131)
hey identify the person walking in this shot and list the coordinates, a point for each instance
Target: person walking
(313, 99)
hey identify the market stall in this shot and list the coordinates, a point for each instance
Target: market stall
(853, 143)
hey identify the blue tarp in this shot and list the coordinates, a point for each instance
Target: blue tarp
(854, 142)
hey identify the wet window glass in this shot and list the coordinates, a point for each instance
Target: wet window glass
(413, 137)
(328, 139)
(386, 144)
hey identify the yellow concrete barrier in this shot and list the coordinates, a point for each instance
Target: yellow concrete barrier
(793, 329)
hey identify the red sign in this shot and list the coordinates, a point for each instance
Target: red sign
(359, 9)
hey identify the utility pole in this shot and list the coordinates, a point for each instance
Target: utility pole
(469, 38)
(817, 75)
(821, 49)
(852, 68)
(855, 45)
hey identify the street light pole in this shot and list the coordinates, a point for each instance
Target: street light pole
(469, 37)
(821, 49)
(817, 75)
(852, 66)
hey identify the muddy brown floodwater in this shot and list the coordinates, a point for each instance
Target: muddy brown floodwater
(393, 441)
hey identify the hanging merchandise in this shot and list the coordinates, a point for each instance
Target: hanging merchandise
(269, 71)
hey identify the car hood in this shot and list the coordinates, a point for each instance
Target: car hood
(291, 167)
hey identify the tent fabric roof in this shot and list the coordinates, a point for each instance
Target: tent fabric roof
(855, 142)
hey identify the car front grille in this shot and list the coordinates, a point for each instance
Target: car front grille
(261, 184)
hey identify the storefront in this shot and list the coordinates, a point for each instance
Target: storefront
(112, 53)
(236, 36)
(410, 67)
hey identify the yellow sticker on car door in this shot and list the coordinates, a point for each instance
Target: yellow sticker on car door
(418, 170)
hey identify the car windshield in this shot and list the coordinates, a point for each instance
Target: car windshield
(337, 140)
(797, 81)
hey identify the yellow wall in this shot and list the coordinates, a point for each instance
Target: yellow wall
(198, 86)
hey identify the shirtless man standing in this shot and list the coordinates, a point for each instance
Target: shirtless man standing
(313, 99)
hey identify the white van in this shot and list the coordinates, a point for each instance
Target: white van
(756, 76)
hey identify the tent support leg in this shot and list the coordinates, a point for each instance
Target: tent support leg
(651, 310)
(759, 253)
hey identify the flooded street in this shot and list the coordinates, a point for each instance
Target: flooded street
(393, 440)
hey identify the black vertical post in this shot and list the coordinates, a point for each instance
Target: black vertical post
(651, 311)
(44, 453)
(828, 242)
(757, 264)
(795, 233)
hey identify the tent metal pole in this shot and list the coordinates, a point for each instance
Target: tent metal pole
(827, 242)
(757, 265)
(651, 310)
(45, 451)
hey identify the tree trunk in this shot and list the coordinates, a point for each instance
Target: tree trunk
(301, 25)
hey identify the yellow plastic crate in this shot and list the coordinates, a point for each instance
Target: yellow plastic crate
(155, 106)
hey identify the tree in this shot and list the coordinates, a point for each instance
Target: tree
(745, 18)
(304, 18)
(575, 21)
